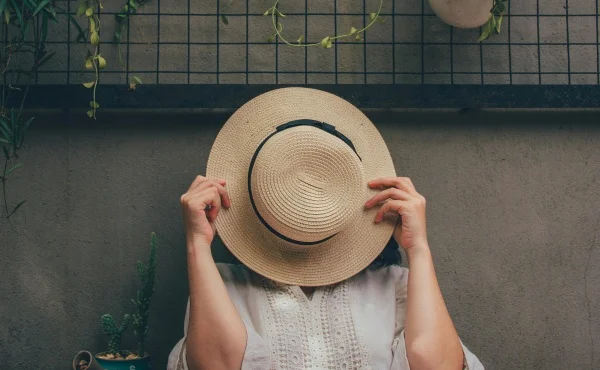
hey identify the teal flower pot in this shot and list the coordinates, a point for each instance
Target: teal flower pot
(137, 364)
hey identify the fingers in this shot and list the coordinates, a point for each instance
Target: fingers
(395, 206)
(215, 205)
(201, 179)
(391, 193)
(403, 183)
(202, 183)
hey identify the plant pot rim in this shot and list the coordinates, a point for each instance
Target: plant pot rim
(146, 355)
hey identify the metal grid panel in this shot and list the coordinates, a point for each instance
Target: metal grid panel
(184, 42)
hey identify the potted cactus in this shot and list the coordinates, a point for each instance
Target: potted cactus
(116, 358)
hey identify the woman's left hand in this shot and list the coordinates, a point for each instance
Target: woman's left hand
(400, 196)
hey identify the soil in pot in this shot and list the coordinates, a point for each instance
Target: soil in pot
(123, 361)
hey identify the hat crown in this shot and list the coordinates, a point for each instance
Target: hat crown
(307, 184)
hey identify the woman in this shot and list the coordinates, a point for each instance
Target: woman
(292, 200)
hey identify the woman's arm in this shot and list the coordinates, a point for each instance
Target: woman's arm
(430, 337)
(216, 334)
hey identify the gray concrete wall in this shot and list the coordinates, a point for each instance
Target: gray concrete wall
(513, 202)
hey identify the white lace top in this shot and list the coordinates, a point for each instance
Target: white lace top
(356, 324)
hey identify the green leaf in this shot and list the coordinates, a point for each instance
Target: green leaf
(40, 6)
(353, 31)
(358, 38)
(16, 208)
(492, 22)
(6, 131)
(372, 16)
(94, 38)
(118, 35)
(45, 59)
(94, 104)
(271, 38)
(500, 7)
(486, 30)
(224, 20)
(90, 84)
(88, 63)
(81, 7)
(101, 62)
(300, 39)
(90, 113)
(132, 4)
(13, 168)
(92, 24)
(17, 10)
(325, 42)
(89, 11)
(498, 24)
(280, 14)
(50, 10)
(44, 34)
(81, 33)
(267, 12)
(136, 79)
(2, 5)
(279, 26)
(7, 15)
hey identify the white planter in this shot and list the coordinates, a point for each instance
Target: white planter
(462, 13)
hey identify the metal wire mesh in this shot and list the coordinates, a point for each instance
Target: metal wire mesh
(185, 42)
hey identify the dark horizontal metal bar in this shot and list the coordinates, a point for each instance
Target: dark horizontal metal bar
(363, 96)
(185, 43)
(140, 13)
(221, 72)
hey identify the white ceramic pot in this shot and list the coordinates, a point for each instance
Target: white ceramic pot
(462, 13)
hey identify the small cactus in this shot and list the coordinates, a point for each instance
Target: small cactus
(114, 334)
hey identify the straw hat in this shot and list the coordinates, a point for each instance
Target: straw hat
(297, 162)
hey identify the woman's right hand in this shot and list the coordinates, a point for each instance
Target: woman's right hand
(200, 206)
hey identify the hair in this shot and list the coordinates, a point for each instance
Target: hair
(389, 256)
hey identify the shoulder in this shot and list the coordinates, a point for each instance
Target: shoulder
(397, 275)
(390, 279)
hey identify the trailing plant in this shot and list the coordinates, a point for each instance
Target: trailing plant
(12, 129)
(25, 29)
(494, 22)
(113, 332)
(94, 60)
(327, 41)
(123, 19)
(143, 298)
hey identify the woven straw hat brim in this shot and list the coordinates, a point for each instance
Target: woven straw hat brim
(339, 258)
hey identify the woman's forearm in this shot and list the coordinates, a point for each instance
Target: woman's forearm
(431, 339)
(216, 336)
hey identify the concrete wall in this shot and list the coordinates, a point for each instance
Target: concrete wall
(513, 202)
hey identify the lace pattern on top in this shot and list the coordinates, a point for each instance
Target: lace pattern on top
(311, 334)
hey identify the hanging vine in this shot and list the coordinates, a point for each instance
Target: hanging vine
(328, 40)
(94, 60)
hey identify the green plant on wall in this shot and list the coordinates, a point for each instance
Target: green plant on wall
(94, 60)
(25, 29)
(143, 298)
(494, 22)
(123, 20)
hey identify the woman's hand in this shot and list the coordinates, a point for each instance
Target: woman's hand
(200, 206)
(400, 196)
